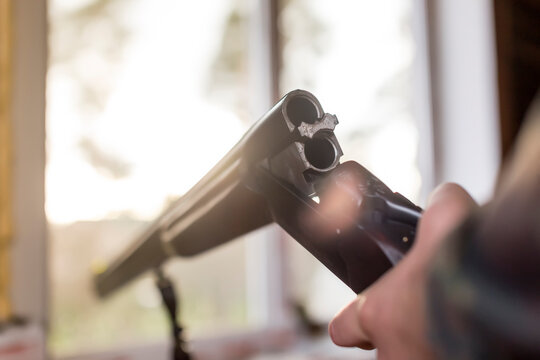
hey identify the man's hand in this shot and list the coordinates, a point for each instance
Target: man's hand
(391, 314)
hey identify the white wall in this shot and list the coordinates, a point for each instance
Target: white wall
(464, 90)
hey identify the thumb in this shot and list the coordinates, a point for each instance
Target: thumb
(345, 329)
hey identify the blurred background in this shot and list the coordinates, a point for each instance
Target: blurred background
(144, 97)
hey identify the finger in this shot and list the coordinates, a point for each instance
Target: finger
(447, 206)
(447, 191)
(345, 329)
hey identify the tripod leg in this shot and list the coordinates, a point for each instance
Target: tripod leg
(168, 295)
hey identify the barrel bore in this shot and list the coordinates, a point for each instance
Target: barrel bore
(300, 109)
(320, 152)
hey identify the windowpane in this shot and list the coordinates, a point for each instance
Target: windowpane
(144, 97)
(356, 57)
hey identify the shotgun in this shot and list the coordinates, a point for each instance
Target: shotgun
(285, 169)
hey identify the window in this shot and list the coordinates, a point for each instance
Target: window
(145, 96)
(358, 59)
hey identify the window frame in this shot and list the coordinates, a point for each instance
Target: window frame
(30, 284)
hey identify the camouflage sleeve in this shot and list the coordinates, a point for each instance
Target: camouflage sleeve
(484, 288)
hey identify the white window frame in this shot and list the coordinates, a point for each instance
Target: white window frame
(448, 61)
(465, 109)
